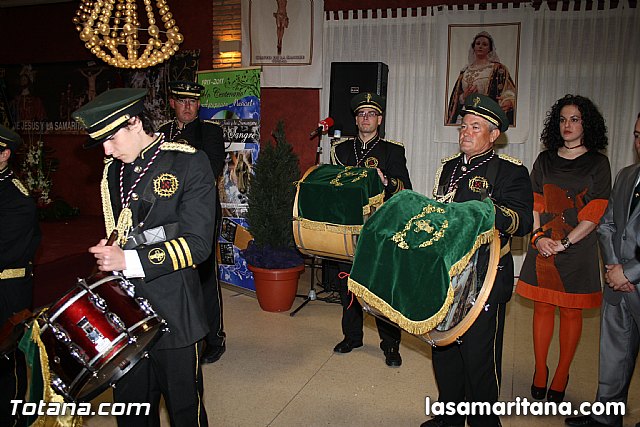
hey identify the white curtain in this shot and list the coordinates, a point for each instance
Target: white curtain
(592, 53)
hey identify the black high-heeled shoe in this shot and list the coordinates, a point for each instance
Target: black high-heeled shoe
(557, 396)
(539, 393)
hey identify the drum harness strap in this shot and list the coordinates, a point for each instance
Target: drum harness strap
(158, 234)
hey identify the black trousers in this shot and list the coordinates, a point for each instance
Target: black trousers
(471, 370)
(352, 314)
(176, 375)
(212, 293)
(13, 386)
(15, 295)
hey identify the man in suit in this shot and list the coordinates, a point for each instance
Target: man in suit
(619, 237)
(471, 369)
(19, 241)
(186, 127)
(371, 151)
(160, 196)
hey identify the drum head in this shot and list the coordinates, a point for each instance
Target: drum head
(121, 362)
(471, 289)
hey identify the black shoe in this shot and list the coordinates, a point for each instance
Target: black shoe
(392, 357)
(557, 396)
(539, 393)
(212, 353)
(346, 345)
(584, 421)
(439, 422)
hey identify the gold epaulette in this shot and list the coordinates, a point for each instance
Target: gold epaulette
(20, 186)
(451, 157)
(176, 146)
(211, 121)
(394, 142)
(510, 159)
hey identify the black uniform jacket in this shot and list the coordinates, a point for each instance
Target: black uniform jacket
(19, 241)
(507, 183)
(177, 192)
(384, 154)
(203, 135)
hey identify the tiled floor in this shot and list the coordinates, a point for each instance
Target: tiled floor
(281, 371)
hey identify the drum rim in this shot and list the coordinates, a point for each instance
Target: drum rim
(116, 375)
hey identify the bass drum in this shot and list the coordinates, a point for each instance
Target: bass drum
(471, 288)
(95, 334)
(331, 239)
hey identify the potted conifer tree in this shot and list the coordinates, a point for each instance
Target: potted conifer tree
(271, 255)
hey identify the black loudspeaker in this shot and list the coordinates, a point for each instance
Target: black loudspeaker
(347, 80)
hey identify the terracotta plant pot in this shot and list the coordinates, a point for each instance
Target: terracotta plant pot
(276, 288)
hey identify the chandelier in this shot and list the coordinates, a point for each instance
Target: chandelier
(111, 30)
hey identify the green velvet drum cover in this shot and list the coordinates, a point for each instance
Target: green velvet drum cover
(409, 250)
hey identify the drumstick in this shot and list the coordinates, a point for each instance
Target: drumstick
(110, 241)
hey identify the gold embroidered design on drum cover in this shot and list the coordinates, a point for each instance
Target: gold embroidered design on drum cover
(478, 183)
(156, 256)
(348, 175)
(422, 225)
(165, 185)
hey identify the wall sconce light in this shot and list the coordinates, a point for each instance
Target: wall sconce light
(230, 46)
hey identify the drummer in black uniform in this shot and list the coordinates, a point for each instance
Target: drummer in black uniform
(369, 150)
(470, 370)
(186, 127)
(160, 196)
(19, 240)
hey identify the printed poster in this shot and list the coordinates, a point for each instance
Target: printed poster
(232, 99)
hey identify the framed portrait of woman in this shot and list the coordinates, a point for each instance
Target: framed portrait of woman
(482, 59)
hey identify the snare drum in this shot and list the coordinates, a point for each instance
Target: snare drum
(331, 205)
(95, 334)
(426, 266)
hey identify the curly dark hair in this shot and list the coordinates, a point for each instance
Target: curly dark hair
(595, 130)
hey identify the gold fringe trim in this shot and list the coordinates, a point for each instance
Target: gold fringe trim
(416, 327)
(374, 202)
(327, 226)
(482, 239)
(48, 394)
(422, 326)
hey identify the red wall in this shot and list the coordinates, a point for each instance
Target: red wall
(300, 110)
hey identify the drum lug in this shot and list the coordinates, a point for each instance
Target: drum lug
(458, 341)
(145, 306)
(98, 302)
(115, 321)
(78, 354)
(128, 287)
(60, 334)
(132, 338)
(58, 384)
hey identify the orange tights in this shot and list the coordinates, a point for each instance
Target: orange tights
(570, 331)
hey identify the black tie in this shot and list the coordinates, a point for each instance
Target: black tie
(635, 199)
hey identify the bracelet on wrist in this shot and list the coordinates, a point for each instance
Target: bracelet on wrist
(537, 235)
(535, 241)
(565, 242)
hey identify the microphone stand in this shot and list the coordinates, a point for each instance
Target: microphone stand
(319, 148)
